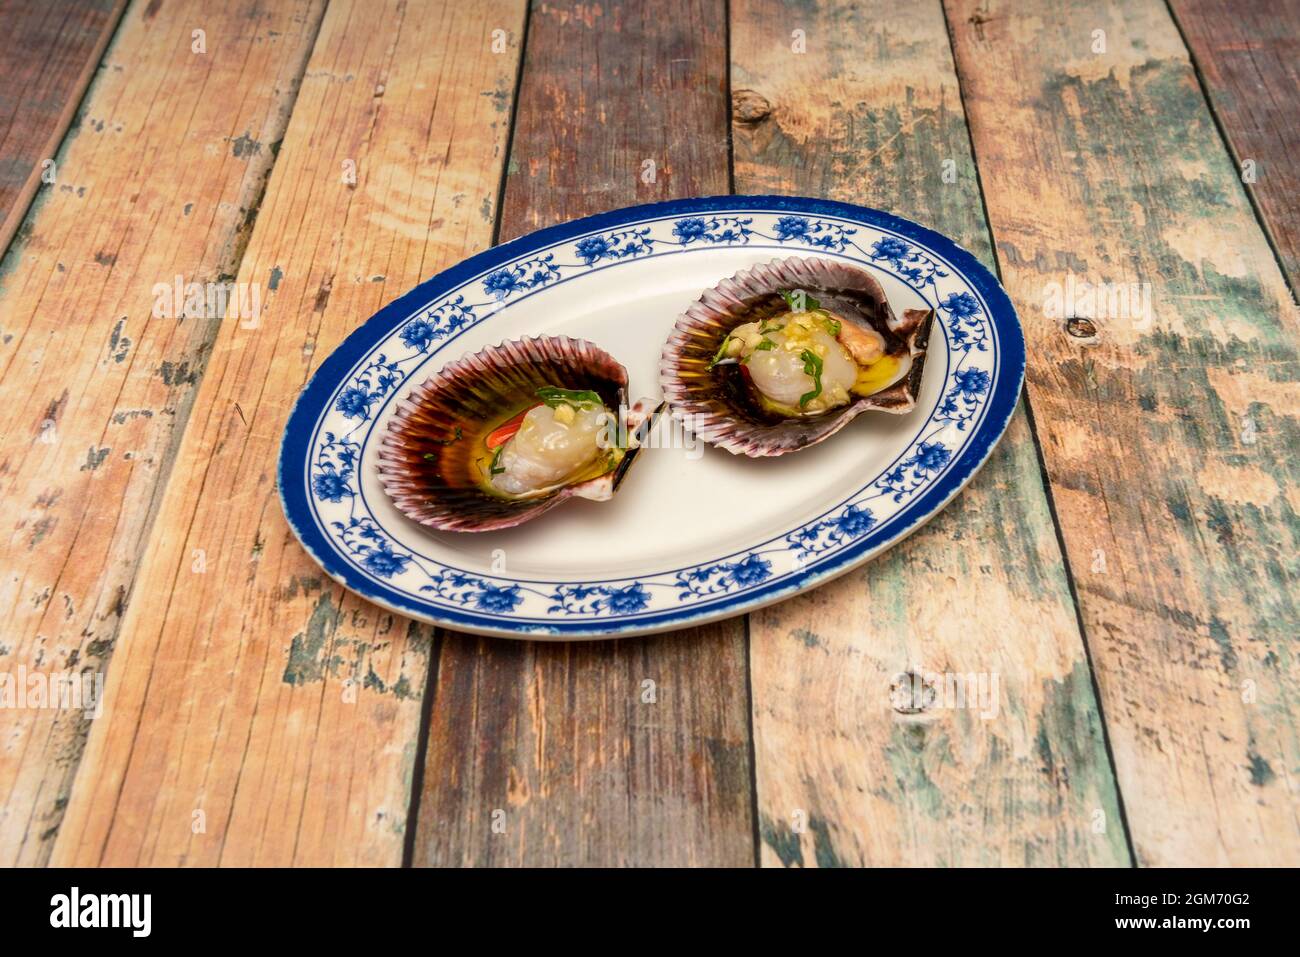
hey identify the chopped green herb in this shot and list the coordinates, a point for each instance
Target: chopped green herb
(832, 326)
(455, 437)
(812, 365)
(799, 301)
(722, 350)
(774, 327)
(765, 345)
(553, 397)
(495, 468)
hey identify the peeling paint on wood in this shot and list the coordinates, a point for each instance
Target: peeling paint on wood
(100, 454)
(282, 707)
(1170, 443)
(555, 741)
(248, 687)
(847, 772)
(48, 53)
(1248, 53)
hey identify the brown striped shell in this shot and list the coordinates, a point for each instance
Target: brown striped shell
(719, 403)
(427, 456)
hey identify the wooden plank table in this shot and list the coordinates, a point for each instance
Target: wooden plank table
(1126, 563)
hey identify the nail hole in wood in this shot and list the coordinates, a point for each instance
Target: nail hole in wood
(1081, 328)
(910, 694)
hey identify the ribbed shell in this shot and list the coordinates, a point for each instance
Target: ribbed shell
(718, 402)
(430, 474)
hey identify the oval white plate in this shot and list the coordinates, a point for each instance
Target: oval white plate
(694, 534)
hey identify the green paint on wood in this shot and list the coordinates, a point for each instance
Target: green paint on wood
(783, 841)
(306, 651)
(319, 652)
(1260, 771)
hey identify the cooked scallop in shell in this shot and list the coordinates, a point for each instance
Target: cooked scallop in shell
(501, 436)
(784, 355)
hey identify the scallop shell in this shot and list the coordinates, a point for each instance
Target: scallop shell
(718, 403)
(426, 458)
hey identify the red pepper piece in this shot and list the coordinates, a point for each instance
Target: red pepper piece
(503, 433)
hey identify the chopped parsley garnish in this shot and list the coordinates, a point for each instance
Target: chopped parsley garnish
(799, 301)
(720, 354)
(554, 397)
(495, 468)
(812, 365)
(455, 437)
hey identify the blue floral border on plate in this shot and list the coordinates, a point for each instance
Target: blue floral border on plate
(714, 590)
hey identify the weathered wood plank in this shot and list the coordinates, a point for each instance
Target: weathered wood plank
(158, 178)
(558, 738)
(1169, 435)
(1248, 52)
(871, 113)
(258, 693)
(48, 53)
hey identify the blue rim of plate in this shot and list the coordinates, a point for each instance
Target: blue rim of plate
(297, 447)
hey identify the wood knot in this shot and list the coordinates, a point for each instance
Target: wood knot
(910, 693)
(749, 107)
(1081, 328)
